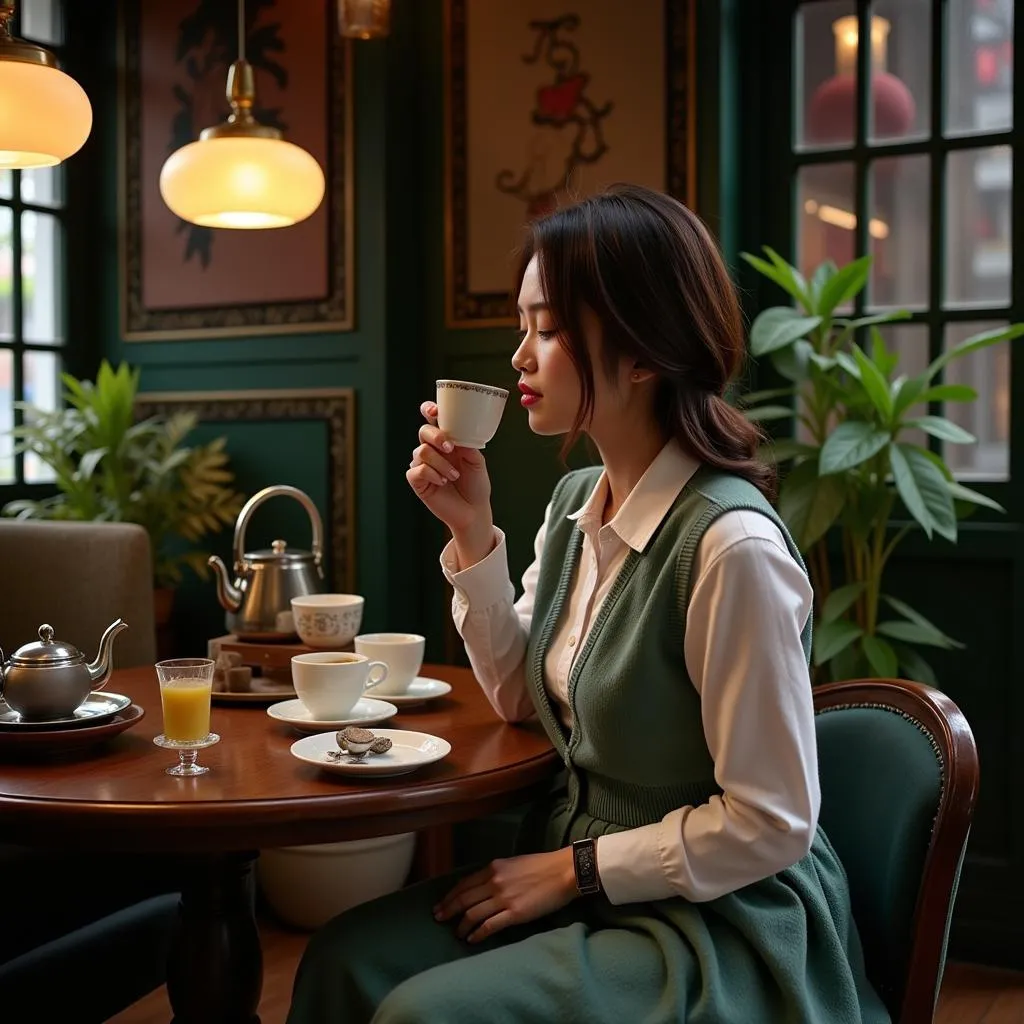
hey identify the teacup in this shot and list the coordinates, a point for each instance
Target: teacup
(469, 413)
(327, 620)
(329, 683)
(401, 652)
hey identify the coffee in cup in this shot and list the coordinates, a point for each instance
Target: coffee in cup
(329, 683)
(401, 652)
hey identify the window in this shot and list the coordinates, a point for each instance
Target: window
(32, 293)
(904, 149)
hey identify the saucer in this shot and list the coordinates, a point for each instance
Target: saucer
(62, 740)
(420, 690)
(365, 711)
(409, 751)
(99, 705)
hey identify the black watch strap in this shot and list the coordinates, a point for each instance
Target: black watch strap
(584, 860)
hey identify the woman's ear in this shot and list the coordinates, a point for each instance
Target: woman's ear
(640, 374)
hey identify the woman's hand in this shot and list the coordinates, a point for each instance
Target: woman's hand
(507, 892)
(453, 483)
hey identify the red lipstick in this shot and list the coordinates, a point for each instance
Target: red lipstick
(530, 397)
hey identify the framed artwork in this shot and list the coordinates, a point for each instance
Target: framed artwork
(545, 102)
(332, 407)
(183, 281)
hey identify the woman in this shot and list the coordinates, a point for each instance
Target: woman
(662, 638)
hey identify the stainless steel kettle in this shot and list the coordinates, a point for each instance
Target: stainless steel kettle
(258, 602)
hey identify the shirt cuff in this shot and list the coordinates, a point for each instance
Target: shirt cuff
(484, 584)
(630, 864)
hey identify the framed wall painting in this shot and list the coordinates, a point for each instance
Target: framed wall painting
(183, 281)
(334, 408)
(547, 101)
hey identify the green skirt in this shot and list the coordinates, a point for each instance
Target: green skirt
(784, 950)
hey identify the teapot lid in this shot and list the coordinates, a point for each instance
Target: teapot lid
(279, 552)
(46, 651)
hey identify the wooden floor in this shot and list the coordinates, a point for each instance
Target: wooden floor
(970, 995)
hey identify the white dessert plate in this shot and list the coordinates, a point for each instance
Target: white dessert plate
(409, 751)
(419, 691)
(366, 711)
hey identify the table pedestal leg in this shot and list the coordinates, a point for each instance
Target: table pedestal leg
(215, 966)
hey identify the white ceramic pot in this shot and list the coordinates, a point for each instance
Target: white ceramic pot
(308, 885)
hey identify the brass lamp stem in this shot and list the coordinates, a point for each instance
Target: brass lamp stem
(16, 49)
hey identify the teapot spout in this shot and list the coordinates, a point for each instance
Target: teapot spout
(99, 670)
(230, 597)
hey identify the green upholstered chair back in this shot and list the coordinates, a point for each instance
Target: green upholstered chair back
(899, 781)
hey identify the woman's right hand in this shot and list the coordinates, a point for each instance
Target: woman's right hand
(453, 483)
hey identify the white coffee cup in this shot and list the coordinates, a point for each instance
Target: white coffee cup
(327, 620)
(469, 413)
(401, 652)
(329, 683)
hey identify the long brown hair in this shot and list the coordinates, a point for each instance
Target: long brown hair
(650, 271)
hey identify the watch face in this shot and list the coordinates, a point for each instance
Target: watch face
(584, 855)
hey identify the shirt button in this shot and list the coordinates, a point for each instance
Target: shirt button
(572, 641)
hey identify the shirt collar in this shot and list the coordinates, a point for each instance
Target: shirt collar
(649, 501)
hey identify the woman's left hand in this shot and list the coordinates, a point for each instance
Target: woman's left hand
(507, 892)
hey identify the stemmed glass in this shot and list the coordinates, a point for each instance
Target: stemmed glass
(186, 689)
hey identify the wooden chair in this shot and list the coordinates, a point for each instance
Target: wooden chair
(899, 781)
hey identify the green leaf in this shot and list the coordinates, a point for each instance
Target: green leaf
(849, 663)
(832, 637)
(916, 667)
(924, 490)
(948, 393)
(777, 327)
(849, 445)
(839, 600)
(785, 280)
(767, 395)
(787, 448)
(876, 386)
(793, 362)
(881, 657)
(973, 344)
(961, 493)
(810, 503)
(822, 275)
(900, 629)
(768, 412)
(849, 326)
(906, 392)
(939, 426)
(843, 285)
(939, 639)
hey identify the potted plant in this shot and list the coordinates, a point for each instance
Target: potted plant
(108, 467)
(852, 464)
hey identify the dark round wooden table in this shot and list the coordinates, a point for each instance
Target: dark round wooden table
(117, 797)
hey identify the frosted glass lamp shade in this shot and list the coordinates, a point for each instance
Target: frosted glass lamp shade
(45, 115)
(242, 182)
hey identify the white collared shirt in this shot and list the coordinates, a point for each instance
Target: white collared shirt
(748, 606)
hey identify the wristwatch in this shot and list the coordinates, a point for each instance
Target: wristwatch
(584, 862)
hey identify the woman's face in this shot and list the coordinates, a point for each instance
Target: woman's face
(549, 383)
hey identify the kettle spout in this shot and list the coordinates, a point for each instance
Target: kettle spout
(99, 670)
(230, 597)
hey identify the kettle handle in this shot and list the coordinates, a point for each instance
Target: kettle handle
(272, 492)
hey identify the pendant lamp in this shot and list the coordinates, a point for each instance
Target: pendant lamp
(242, 174)
(364, 19)
(45, 115)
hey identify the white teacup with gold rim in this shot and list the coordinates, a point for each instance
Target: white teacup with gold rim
(327, 620)
(469, 413)
(329, 683)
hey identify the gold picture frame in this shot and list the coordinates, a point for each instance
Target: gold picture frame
(159, 304)
(469, 308)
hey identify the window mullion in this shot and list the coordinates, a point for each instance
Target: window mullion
(860, 137)
(17, 314)
(937, 194)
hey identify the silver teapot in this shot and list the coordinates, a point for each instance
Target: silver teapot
(258, 602)
(48, 679)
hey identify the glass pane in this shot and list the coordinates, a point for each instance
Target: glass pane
(901, 40)
(42, 389)
(987, 418)
(6, 184)
(41, 21)
(41, 278)
(899, 232)
(6, 415)
(43, 185)
(979, 78)
(6, 273)
(825, 74)
(978, 246)
(825, 217)
(910, 343)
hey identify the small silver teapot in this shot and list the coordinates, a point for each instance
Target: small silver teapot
(258, 603)
(48, 679)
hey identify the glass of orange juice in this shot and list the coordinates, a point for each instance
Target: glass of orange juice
(186, 687)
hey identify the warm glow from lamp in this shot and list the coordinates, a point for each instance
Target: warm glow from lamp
(364, 19)
(242, 182)
(846, 35)
(45, 115)
(845, 219)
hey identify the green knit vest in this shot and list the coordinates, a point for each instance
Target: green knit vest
(636, 749)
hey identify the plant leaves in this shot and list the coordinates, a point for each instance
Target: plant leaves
(761, 413)
(912, 615)
(906, 392)
(973, 344)
(823, 273)
(843, 285)
(901, 629)
(793, 362)
(777, 327)
(876, 386)
(849, 445)
(784, 279)
(881, 657)
(832, 637)
(810, 503)
(939, 426)
(767, 395)
(924, 490)
(961, 493)
(916, 667)
(948, 393)
(839, 600)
